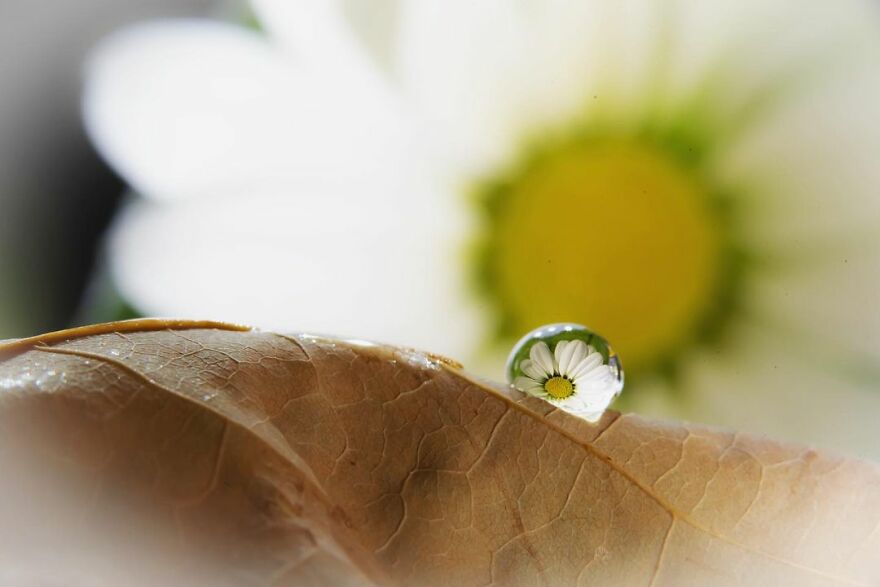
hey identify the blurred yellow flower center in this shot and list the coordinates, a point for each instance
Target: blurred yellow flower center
(559, 387)
(619, 236)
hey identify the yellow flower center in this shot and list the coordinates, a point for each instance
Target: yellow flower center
(559, 387)
(619, 236)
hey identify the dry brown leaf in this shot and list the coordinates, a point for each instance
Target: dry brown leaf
(154, 452)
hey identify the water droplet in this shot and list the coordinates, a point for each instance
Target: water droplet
(553, 334)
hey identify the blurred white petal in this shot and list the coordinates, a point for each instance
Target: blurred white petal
(375, 24)
(489, 75)
(807, 174)
(193, 108)
(322, 262)
(318, 35)
(830, 306)
(762, 386)
(593, 57)
(462, 63)
(741, 56)
(807, 181)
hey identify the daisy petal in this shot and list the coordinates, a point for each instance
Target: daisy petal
(569, 354)
(576, 406)
(541, 357)
(837, 293)
(290, 265)
(455, 59)
(592, 408)
(587, 365)
(599, 378)
(529, 386)
(532, 370)
(318, 32)
(756, 387)
(598, 374)
(592, 417)
(559, 351)
(187, 108)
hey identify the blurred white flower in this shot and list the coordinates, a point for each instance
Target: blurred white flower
(696, 181)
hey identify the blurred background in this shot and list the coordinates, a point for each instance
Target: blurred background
(56, 195)
(695, 180)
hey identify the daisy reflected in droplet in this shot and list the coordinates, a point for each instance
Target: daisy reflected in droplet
(573, 377)
(568, 365)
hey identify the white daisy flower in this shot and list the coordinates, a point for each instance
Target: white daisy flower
(696, 180)
(573, 377)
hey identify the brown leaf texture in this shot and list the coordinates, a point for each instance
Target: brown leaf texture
(157, 452)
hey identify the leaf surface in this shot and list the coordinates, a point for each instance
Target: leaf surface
(175, 452)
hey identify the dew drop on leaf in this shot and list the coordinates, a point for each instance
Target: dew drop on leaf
(552, 334)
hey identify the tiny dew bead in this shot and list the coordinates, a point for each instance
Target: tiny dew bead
(552, 334)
